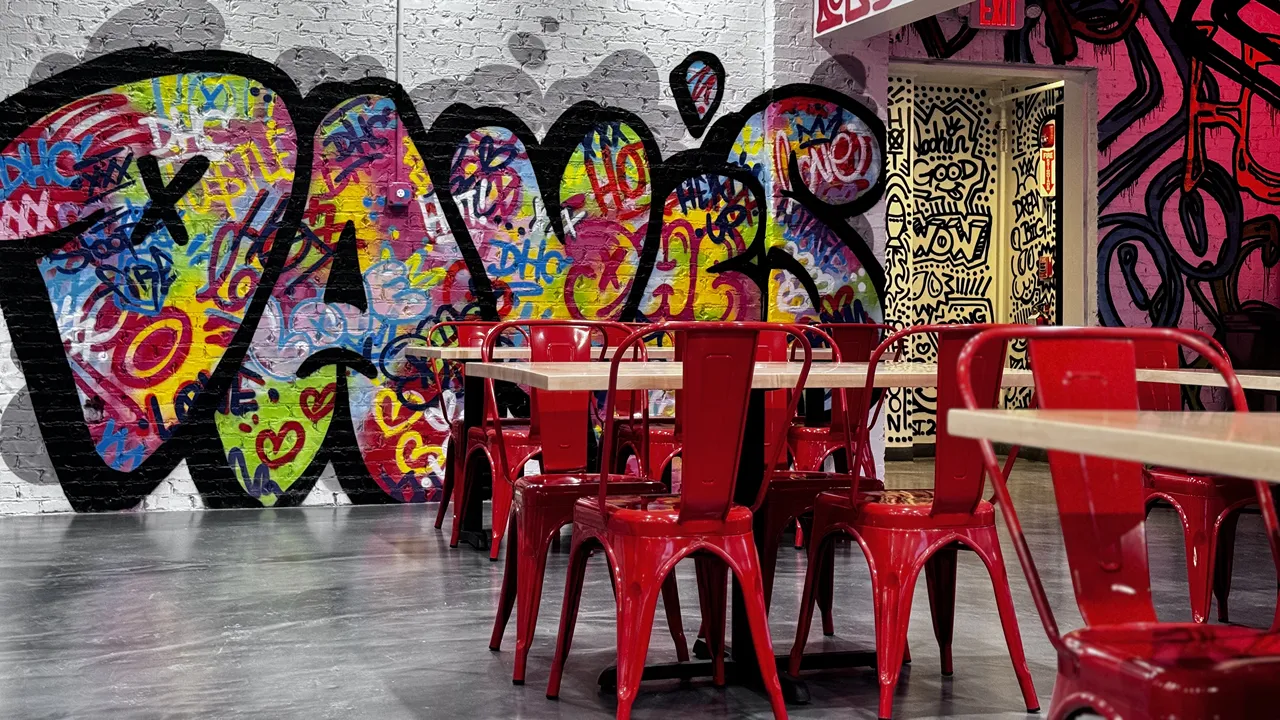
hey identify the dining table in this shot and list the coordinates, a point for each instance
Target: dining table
(468, 354)
(668, 375)
(1242, 445)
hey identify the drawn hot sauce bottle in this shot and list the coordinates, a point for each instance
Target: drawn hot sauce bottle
(895, 216)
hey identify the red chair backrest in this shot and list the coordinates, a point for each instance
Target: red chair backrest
(718, 367)
(1100, 501)
(958, 475)
(1162, 355)
(773, 346)
(559, 420)
(628, 403)
(466, 333)
(856, 342)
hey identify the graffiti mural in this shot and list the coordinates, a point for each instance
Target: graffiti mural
(1186, 191)
(898, 214)
(954, 172)
(201, 263)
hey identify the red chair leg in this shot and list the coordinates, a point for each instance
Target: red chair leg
(579, 553)
(501, 508)
(743, 561)
(637, 603)
(940, 574)
(987, 546)
(819, 546)
(1198, 521)
(671, 603)
(800, 534)
(532, 539)
(893, 583)
(771, 530)
(446, 489)
(826, 589)
(712, 595)
(507, 597)
(1226, 550)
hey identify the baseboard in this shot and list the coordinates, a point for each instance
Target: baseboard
(929, 450)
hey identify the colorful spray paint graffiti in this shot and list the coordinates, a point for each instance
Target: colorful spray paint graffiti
(199, 263)
(1188, 228)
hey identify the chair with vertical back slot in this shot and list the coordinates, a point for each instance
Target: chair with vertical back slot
(644, 537)
(902, 532)
(1208, 506)
(654, 442)
(543, 503)
(811, 445)
(1124, 662)
(453, 333)
(555, 434)
(790, 493)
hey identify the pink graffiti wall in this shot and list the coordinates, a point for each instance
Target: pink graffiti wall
(1188, 180)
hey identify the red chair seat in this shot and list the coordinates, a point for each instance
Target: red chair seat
(1177, 647)
(810, 445)
(652, 515)
(905, 509)
(1185, 482)
(798, 480)
(663, 442)
(574, 484)
(1171, 670)
(514, 433)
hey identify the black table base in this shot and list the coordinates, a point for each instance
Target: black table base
(794, 690)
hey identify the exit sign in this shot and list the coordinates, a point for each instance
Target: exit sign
(998, 14)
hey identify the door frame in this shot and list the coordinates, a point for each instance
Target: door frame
(1078, 238)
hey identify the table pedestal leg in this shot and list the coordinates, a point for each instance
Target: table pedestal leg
(473, 532)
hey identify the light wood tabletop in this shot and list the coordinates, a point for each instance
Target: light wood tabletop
(775, 375)
(668, 375)
(472, 354)
(1244, 445)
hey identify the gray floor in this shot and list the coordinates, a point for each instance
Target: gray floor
(365, 612)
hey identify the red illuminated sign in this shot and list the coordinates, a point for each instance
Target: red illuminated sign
(998, 14)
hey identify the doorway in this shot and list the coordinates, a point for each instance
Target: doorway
(987, 212)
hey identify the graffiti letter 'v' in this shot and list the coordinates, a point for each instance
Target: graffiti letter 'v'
(164, 197)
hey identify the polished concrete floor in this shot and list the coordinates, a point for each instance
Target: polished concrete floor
(366, 612)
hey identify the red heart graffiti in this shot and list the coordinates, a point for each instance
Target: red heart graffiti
(317, 403)
(280, 452)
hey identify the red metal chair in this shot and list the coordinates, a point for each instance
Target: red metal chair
(644, 537)
(541, 505)
(556, 433)
(790, 494)
(465, 333)
(812, 445)
(1207, 505)
(633, 426)
(653, 441)
(1124, 663)
(902, 532)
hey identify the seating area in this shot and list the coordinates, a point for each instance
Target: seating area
(762, 506)
(752, 462)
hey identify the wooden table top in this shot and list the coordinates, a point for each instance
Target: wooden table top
(668, 375)
(775, 375)
(472, 354)
(1244, 445)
